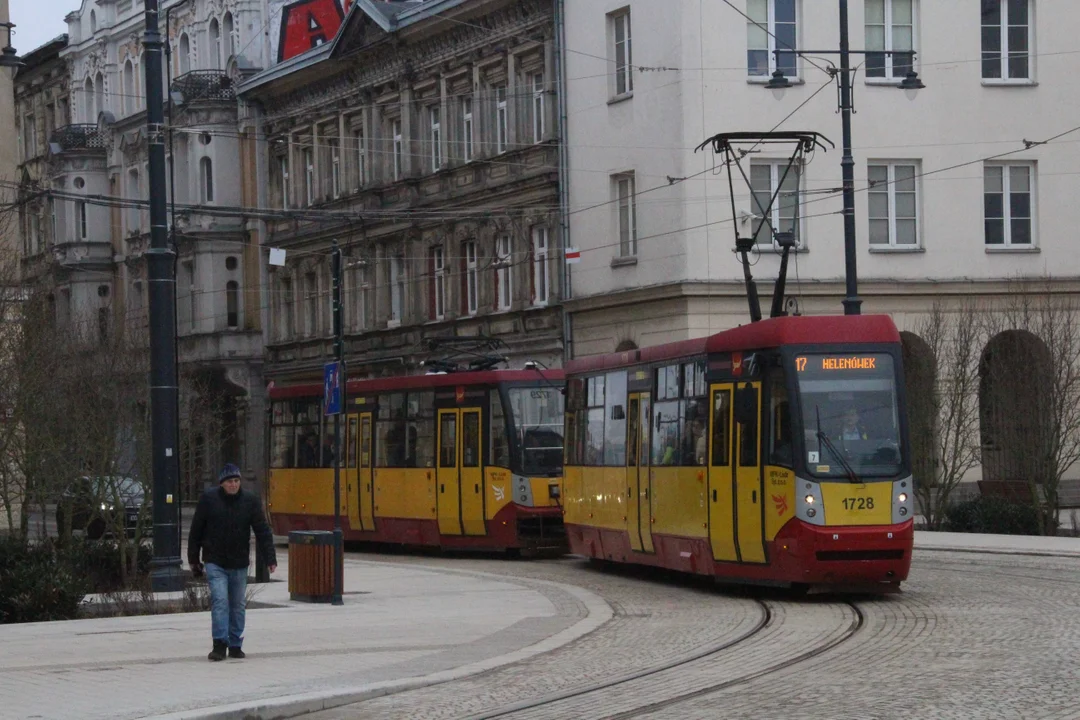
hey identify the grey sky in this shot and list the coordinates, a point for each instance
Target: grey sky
(38, 21)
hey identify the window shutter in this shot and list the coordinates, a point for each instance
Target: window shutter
(431, 284)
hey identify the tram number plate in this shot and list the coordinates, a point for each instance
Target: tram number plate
(858, 503)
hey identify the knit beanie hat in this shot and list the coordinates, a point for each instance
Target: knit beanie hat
(229, 471)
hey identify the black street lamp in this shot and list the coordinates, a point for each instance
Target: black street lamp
(8, 57)
(910, 84)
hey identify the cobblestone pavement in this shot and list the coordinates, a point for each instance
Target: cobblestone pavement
(971, 636)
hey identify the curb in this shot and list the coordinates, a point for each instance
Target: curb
(598, 612)
(1002, 551)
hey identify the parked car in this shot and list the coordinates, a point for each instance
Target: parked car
(100, 505)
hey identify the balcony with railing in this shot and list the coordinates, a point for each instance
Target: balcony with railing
(203, 86)
(81, 137)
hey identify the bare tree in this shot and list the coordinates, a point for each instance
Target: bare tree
(954, 340)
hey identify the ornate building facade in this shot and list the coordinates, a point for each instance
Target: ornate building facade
(424, 140)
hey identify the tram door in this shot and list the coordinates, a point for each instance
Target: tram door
(721, 476)
(365, 482)
(749, 488)
(352, 473)
(459, 475)
(639, 474)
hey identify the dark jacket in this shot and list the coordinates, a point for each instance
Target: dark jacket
(222, 527)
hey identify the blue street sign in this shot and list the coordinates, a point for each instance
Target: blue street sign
(331, 389)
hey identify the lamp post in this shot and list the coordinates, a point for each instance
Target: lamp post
(911, 83)
(8, 57)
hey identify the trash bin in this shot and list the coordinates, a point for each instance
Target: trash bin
(311, 566)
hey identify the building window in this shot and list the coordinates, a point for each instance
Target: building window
(540, 266)
(215, 45)
(232, 304)
(29, 136)
(398, 165)
(33, 234)
(890, 38)
(129, 88)
(283, 172)
(627, 214)
(397, 288)
(308, 159)
(206, 170)
(80, 220)
(232, 35)
(502, 128)
(783, 216)
(1008, 199)
(54, 226)
(622, 51)
(361, 158)
(472, 288)
(466, 129)
(286, 314)
(335, 168)
(893, 205)
(134, 212)
(183, 57)
(504, 290)
(1006, 40)
(434, 115)
(538, 107)
(772, 25)
(360, 305)
(438, 283)
(311, 304)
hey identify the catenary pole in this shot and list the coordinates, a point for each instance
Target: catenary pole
(852, 302)
(339, 356)
(165, 574)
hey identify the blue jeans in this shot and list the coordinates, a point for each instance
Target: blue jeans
(227, 602)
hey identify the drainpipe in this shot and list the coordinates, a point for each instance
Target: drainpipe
(564, 173)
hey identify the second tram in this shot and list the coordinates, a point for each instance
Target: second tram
(771, 453)
(469, 460)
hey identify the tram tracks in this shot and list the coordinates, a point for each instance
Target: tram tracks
(666, 686)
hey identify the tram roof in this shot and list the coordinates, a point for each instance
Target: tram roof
(421, 382)
(770, 333)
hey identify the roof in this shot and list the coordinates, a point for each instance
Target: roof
(423, 382)
(774, 332)
(43, 54)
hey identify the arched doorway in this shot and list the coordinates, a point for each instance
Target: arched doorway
(1014, 408)
(626, 346)
(920, 377)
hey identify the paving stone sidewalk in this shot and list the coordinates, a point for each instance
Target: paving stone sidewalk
(401, 626)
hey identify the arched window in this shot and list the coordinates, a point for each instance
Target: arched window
(129, 88)
(232, 303)
(184, 54)
(99, 95)
(207, 171)
(230, 36)
(93, 21)
(215, 46)
(89, 113)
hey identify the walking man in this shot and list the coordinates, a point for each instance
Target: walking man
(221, 530)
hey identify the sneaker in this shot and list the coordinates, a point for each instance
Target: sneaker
(218, 653)
(237, 653)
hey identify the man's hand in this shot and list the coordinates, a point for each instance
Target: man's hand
(272, 569)
(196, 569)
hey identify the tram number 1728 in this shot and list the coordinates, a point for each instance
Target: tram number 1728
(858, 503)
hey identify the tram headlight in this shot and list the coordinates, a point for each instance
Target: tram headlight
(809, 500)
(902, 497)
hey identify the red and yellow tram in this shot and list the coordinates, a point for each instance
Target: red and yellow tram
(772, 453)
(468, 460)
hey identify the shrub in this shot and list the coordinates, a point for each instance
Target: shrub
(101, 562)
(38, 582)
(991, 514)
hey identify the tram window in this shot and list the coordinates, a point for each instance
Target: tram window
(594, 437)
(667, 382)
(615, 420)
(500, 446)
(420, 433)
(666, 433)
(350, 452)
(748, 436)
(632, 434)
(694, 379)
(448, 441)
(470, 439)
(780, 452)
(695, 441)
(721, 429)
(282, 447)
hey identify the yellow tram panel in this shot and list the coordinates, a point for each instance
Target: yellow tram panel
(678, 501)
(779, 499)
(302, 492)
(406, 493)
(849, 503)
(575, 507)
(541, 491)
(499, 488)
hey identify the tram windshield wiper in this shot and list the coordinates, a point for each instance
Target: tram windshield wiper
(823, 438)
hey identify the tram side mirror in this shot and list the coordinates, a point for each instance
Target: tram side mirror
(745, 405)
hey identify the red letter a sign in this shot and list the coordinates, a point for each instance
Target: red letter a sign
(307, 24)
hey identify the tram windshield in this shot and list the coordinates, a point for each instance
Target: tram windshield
(850, 415)
(538, 423)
